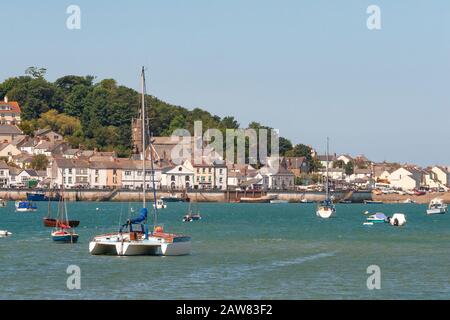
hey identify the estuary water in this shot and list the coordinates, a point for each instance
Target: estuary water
(239, 251)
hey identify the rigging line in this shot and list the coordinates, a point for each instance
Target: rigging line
(150, 144)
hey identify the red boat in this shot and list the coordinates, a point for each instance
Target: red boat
(53, 223)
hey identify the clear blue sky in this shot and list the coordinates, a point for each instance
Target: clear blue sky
(308, 68)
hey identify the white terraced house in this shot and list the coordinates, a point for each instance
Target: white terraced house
(4, 175)
(131, 177)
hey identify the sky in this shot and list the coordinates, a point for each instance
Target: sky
(311, 69)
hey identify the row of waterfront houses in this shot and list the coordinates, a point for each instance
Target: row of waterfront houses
(92, 169)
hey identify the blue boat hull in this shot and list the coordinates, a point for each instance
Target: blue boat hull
(66, 238)
(41, 197)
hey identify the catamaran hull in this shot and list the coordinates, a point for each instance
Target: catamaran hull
(140, 249)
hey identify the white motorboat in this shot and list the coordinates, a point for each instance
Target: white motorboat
(135, 237)
(437, 206)
(25, 206)
(409, 201)
(397, 220)
(326, 209)
(5, 233)
(160, 204)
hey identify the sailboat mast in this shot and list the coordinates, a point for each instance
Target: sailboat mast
(143, 137)
(327, 186)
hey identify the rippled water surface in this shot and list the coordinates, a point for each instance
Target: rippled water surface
(239, 251)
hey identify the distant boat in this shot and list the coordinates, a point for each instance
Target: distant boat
(278, 201)
(409, 201)
(40, 196)
(190, 216)
(377, 218)
(345, 201)
(25, 206)
(372, 202)
(160, 204)
(306, 201)
(397, 220)
(264, 199)
(53, 223)
(437, 206)
(326, 209)
(63, 232)
(174, 198)
(5, 233)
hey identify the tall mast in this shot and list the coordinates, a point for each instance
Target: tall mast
(143, 137)
(326, 186)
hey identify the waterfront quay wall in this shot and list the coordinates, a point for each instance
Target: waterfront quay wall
(194, 195)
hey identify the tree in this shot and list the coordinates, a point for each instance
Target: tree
(285, 145)
(35, 72)
(349, 168)
(39, 162)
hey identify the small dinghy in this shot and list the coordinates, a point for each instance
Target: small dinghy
(5, 233)
(377, 218)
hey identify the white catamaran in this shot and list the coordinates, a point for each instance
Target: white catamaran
(326, 209)
(134, 237)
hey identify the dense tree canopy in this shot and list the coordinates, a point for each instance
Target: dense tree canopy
(98, 114)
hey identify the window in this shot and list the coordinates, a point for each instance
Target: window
(204, 170)
(209, 179)
(128, 173)
(209, 170)
(96, 179)
(188, 178)
(96, 172)
(70, 180)
(70, 171)
(221, 171)
(220, 180)
(172, 178)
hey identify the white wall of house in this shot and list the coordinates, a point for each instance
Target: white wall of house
(4, 178)
(132, 179)
(9, 151)
(443, 175)
(180, 177)
(404, 179)
(221, 177)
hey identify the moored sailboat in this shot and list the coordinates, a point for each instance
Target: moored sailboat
(326, 209)
(63, 232)
(53, 222)
(135, 237)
